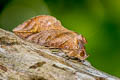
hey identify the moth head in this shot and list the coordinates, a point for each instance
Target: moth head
(82, 55)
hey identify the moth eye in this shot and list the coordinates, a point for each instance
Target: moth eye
(82, 54)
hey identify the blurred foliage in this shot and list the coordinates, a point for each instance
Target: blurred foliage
(17, 11)
(97, 20)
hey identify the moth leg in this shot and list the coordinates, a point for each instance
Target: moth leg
(55, 50)
(71, 55)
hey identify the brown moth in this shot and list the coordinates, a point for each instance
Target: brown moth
(47, 31)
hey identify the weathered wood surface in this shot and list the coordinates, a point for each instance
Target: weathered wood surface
(21, 60)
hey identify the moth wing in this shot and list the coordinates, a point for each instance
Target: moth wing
(64, 40)
(37, 24)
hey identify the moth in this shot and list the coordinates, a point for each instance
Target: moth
(48, 31)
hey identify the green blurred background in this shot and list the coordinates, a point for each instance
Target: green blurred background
(97, 20)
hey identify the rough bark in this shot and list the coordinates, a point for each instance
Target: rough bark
(21, 60)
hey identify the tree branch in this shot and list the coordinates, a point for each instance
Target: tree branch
(21, 60)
